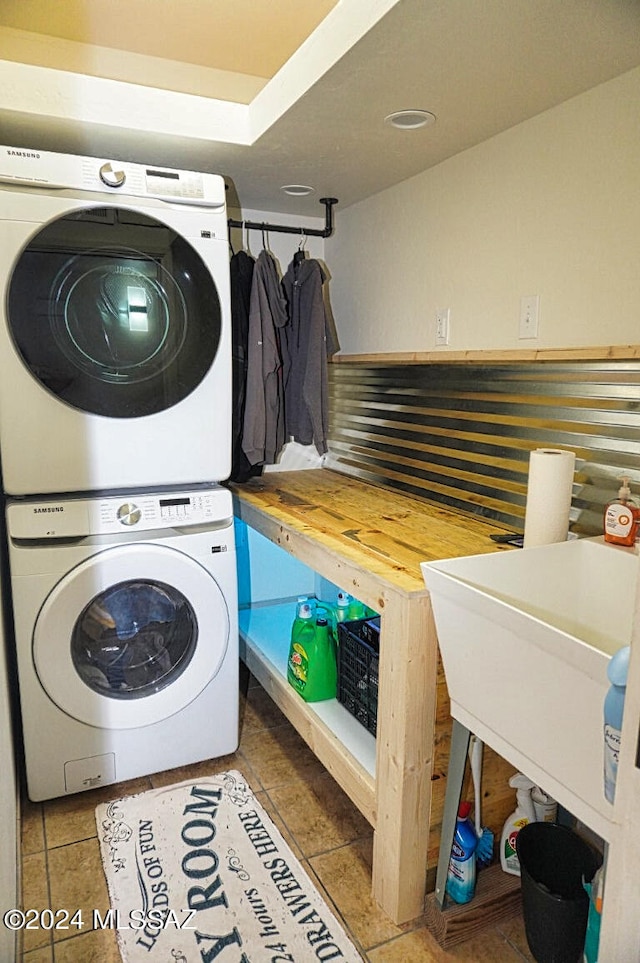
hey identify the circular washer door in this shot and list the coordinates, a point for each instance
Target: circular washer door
(114, 313)
(130, 636)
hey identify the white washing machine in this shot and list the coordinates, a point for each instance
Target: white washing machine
(126, 632)
(115, 325)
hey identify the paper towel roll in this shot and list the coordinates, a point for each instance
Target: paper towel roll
(549, 490)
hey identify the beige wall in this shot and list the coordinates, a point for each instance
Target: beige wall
(550, 207)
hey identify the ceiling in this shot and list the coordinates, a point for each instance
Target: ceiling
(273, 92)
(117, 39)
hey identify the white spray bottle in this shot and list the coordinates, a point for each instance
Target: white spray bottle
(524, 813)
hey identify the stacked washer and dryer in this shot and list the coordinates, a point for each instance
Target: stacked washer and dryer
(115, 426)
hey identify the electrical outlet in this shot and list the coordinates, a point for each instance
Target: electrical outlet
(442, 326)
(529, 316)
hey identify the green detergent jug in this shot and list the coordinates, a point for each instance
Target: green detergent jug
(311, 667)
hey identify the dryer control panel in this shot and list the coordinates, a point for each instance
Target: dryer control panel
(113, 514)
(39, 168)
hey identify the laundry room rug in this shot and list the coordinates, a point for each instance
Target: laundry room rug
(198, 872)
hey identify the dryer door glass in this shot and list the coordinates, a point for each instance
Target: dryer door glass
(114, 312)
(134, 639)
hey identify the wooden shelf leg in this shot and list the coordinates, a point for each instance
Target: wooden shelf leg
(404, 755)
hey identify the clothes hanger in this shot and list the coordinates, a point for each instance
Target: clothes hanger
(300, 254)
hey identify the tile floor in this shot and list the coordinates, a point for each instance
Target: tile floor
(61, 864)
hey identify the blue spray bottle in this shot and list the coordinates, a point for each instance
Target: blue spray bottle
(461, 877)
(617, 672)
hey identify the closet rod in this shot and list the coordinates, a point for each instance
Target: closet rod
(327, 231)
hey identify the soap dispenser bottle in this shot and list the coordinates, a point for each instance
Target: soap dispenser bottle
(524, 813)
(621, 517)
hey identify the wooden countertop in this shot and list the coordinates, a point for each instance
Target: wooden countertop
(381, 531)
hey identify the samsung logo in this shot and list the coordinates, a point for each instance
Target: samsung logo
(54, 508)
(23, 153)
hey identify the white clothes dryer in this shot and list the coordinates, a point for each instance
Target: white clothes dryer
(126, 632)
(115, 325)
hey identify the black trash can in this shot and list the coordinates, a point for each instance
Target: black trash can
(555, 906)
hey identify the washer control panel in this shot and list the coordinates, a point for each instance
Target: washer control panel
(158, 511)
(108, 515)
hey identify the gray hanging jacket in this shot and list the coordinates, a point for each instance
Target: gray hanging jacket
(263, 432)
(308, 341)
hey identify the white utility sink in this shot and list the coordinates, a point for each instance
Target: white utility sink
(525, 637)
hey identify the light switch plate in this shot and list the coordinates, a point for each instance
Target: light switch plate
(529, 316)
(442, 326)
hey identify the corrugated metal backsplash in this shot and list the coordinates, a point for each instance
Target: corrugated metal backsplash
(461, 434)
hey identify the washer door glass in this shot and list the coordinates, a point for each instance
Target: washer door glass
(131, 636)
(114, 313)
(133, 639)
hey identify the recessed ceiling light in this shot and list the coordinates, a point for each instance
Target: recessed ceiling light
(410, 119)
(297, 190)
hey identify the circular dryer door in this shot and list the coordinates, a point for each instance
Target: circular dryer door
(130, 636)
(114, 313)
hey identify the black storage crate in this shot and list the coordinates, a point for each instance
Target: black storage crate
(358, 654)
